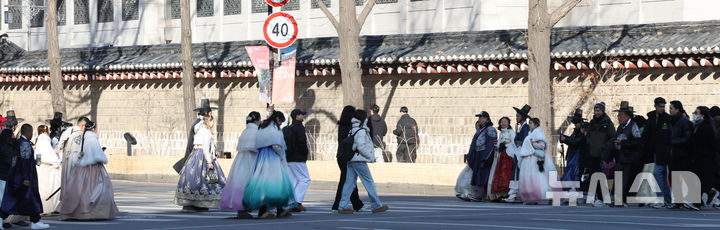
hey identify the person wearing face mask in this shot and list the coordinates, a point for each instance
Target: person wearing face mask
(703, 157)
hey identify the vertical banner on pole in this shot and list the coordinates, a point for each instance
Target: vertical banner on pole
(260, 57)
(284, 78)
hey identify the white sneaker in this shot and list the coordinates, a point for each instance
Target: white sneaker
(598, 203)
(39, 225)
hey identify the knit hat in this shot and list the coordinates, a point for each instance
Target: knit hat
(600, 106)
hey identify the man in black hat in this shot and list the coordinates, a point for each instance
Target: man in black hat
(521, 117)
(297, 155)
(57, 125)
(407, 137)
(574, 142)
(480, 156)
(627, 150)
(657, 135)
(203, 111)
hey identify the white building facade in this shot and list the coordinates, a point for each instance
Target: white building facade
(95, 23)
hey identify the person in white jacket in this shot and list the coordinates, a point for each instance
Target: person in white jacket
(48, 170)
(357, 167)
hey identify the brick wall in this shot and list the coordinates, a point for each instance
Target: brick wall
(443, 105)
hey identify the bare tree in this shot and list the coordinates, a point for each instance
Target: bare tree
(186, 59)
(540, 23)
(348, 29)
(53, 57)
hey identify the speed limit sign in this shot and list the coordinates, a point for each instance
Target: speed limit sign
(277, 3)
(280, 30)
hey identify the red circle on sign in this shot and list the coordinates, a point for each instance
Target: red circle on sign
(284, 44)
(277, 4)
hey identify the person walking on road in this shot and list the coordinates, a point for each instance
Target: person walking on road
(201, 180)
(407, 138)
(534, 182)
(270, 189)
(297, 155)
(682, 129)
(21, 195)
(704, 149)
(480, 156)
(357, 167)
(626, 151)
(242, 169)
(521, 117)
(344, 127)
(48, 170)
(501, 171)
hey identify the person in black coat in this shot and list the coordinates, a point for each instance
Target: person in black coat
(626, 149)
(657, 135)
(715, 113)
(297, 154)
(407, 138)
(704, 150)
(344, 127)
(682, 130)
(379, 129)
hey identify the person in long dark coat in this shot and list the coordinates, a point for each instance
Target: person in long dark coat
(480, 156)
(22, 196)
(344, 127)
(203, 111)
(704, 148)
(407, 138)
(682, 129)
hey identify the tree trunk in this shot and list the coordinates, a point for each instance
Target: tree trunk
(53, 56)
(539, 87)
(186, 58)
(350, 66)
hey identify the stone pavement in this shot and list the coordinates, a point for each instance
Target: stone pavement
(147, 206)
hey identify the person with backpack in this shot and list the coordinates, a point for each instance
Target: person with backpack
(344, 127)
(362, 152)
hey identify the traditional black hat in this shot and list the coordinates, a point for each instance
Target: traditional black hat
(525, 111)
(11, 119)
(577, 117)
(625, 107)
(58, 120)
(205, 106)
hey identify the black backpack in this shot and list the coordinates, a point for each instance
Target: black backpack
(346, 152)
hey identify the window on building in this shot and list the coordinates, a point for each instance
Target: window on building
(105, 11)
(82, 12)
(231, 7)
(15, 9)
(205, 8)
(61, 12)
(38, 13)
(291, 5)
(173, 9)
(259, 6)
(385, 1)
(130, 10)
(314, 4)
(360, 2)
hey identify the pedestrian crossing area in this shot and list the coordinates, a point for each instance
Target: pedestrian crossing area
(153, 209)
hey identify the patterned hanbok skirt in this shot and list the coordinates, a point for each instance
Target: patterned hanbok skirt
(270, 184)
(193, 189)
(240, 173)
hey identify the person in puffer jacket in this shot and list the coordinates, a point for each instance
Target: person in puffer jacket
(357, 167)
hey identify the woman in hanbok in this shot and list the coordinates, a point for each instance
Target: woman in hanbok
(502, 165)
(89, 191)
(242, 169)
(534, 180)
(201, 179)
(48, 171)
(270, 187)
(463, 189)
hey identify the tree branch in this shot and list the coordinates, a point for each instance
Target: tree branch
(366, 11)
(329, 15)
(563, 10)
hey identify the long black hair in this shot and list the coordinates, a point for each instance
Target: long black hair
(275, 115)
(252, 117)
(500, 122)
(361, 115)
(678, 105)
(346, 115)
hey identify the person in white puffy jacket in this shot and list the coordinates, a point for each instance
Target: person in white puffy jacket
(357, 167)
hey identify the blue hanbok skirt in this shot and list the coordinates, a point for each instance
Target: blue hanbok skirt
(270, 184)
(193, 189)
(572, 169)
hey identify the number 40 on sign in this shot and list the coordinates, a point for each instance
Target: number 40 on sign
(280, 30)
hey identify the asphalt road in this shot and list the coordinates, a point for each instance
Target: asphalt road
(146, 206)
